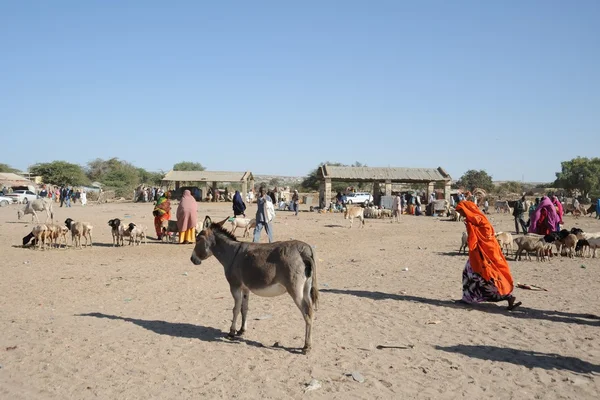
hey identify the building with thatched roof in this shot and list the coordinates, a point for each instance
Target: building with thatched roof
(382, 175)
(9, 179)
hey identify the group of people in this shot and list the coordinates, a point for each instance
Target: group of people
(187, 216)
(66, 195)
(148, 194)
(265, 212)
(545, 215)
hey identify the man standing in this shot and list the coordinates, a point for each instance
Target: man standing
(63, 195)
(295, 201)
(518, 214)
(262, 216)
(396, 208)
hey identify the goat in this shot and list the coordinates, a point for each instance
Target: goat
(135, 232)
(79, 229)
(39, 233)
(594, 244)
(505, 240)
(57, 234)
(581, 247)
(464, 247)
(529, 244)
(568, 244)
(355, 212)
(245, 223)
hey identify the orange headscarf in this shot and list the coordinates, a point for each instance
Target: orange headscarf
(485, 253)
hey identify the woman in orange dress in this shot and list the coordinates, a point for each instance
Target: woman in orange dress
(162, 212)
(486, 276)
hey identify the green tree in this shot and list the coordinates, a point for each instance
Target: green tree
(121, 176)
(476, 179)
(7, 168)
(580, 173)
(188, 166)
(60, 173)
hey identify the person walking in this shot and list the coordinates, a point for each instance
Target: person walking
(396, 208)
(83, 198)
(187, 217)
(68, 197)
(262, 216)
(63, 195)
(296, 201)
(239, 207)
(518, 214)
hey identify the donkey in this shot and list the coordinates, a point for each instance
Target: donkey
(267, 270)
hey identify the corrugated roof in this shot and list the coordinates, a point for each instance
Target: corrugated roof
(8, 178)
(384, 173)
(207, 176)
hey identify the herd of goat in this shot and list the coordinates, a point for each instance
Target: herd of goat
(574, 242)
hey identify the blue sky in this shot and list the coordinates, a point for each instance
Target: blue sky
(275, 87)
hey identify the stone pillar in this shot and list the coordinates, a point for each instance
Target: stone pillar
(388, 188)
(215, 190)
(327, 191)
(177, 184)
(447, 188)
(244, 190)
(430, 189)
(321, 193)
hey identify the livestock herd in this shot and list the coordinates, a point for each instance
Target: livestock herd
(571, 243)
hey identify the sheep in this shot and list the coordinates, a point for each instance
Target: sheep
(79, 229)
(454, 215)
(581, 247)
(355, 212)
(135, 232)
(463, 243)
(568, 243)
(39, 233)
(37, 205)
(117, 231)
(57, 234)
(529, 244)
(245, 223)
(594, 244)
(505, 240)
(169, 229)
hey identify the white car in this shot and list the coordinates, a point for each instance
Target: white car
(4, 201)
(359, 198)
(22, 196)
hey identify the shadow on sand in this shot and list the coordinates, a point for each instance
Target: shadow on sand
(189, 331)
(521, 312)
(529, 359)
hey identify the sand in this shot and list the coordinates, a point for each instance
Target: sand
(143, 322)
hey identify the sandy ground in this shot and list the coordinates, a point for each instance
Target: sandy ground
(143, 322)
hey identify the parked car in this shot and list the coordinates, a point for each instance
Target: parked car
(22, 196)
(4, 201)
(359, 198)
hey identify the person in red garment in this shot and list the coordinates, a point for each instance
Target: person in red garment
(486, 276)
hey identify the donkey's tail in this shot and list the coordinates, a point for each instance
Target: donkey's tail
(311, 270)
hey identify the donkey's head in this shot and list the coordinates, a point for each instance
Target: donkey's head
(205, 240)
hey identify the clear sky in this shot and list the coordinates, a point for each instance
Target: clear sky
(275, 87)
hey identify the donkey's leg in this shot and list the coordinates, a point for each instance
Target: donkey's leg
(237, 297)
(301, 296)
(245, 299)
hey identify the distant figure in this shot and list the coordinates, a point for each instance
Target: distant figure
(532, 209)
(161, 212)
(598, 208)
(68, 197)
(239, 207)
(559, 211)
(518, 214)
(486, 206)
(262, 216)
(575, 204)
(63, 195)
(486, 276)
(397, 208)
(295, 201)
(187, 217)
(83, 198)
(432, 198)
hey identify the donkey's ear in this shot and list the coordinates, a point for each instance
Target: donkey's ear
(222, 222)
(207, 222)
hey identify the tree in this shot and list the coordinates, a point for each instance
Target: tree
(581, 174)
(476, 179)
(188, 166)
(510, 187)
(311, 182)
(121, 176)
(7, 168)
(60, 173)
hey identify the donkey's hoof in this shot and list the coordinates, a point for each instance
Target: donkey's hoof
(306, 350)
(231, 334)
(240, 332)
